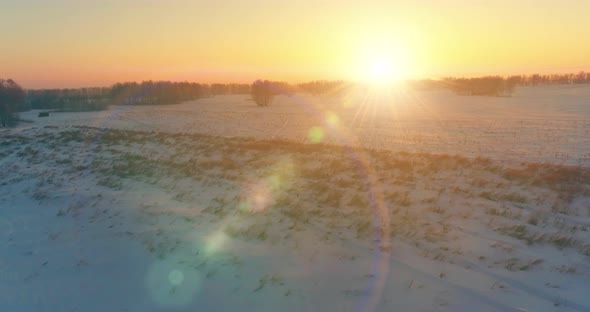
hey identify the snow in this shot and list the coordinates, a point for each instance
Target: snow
(190, 207)
(541, 124)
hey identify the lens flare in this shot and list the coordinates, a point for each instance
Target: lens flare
(259, 195)
(170, 286)
(332, 119)
(175, 277)
(214, 242)
(315, 135)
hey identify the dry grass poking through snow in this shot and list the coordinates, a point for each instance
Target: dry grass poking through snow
(430, 198)
(447, 208)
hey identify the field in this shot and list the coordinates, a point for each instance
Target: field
(537, 124)
(402, 201)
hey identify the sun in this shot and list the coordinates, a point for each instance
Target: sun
(380, 70)
(383, 64)
(383, 69)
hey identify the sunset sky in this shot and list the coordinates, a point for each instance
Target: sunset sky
(75, 43)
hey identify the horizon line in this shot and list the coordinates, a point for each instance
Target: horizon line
(296, 81)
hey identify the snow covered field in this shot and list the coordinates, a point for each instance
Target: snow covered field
(541, 124)
(218, 205)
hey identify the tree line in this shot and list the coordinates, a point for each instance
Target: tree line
(82, 99)
(581, 77)
(490, 85)
(128, 93)
(325, 87)
(498, 85)
(167, 92)
(486, 86)
(13, 98)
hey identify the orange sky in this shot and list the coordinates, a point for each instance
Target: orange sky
(66, 43)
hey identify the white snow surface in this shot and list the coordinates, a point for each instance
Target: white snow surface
(219, 205)
(540, 124)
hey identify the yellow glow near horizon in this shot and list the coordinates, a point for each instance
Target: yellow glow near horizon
(74, 43)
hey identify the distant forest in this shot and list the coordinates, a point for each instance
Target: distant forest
(167, 92)
(498, 85)
(128, 93)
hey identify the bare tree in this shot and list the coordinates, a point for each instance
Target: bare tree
(12, 99)
(262, 92)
